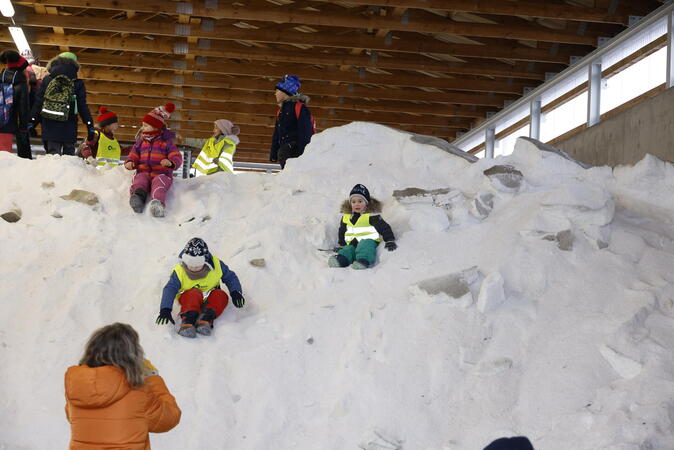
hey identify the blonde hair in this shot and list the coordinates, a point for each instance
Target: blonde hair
(116, 345)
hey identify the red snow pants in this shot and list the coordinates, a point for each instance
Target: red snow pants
(193, 300)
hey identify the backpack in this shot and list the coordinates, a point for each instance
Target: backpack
(6, 99)
(298, 110)
(58, 96)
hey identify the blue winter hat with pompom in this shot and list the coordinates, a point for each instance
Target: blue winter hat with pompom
(290, 84)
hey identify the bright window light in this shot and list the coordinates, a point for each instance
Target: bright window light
(19, 39)
(6, 8)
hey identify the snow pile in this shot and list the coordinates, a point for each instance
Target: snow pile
(535, 299)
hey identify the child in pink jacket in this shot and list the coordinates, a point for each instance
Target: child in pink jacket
(155, 157)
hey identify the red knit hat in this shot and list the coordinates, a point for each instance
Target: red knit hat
(105, 117)
(159, 115)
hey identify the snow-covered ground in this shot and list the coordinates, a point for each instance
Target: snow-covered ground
(538, 304)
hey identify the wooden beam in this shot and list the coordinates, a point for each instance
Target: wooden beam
(395, 79)
(289, 15)
(399, 62)
(508, 8)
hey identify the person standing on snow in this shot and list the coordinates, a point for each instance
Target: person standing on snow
(360, 232)
(195, 282)
(15, 115)
(294, 124)
(154, 156)
(59, 101)
(115, 397)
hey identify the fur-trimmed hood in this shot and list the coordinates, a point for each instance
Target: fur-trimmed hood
(373, 207)
(63, 66)
(299, 98)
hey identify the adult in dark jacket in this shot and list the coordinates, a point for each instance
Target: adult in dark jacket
(60, 137)
(292, 132)
(20, 114)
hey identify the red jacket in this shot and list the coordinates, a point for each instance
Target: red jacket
(147, 155)
(106, 413)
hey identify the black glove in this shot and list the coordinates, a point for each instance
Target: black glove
(237, 299)
(337, 248)
(90, 134)
(390, 246)
(165, 317)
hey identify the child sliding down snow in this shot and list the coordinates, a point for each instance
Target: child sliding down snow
(155, 157)
(361, 232)
(195, 282)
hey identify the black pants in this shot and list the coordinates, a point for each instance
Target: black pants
(287, 151)
(23, 146)
(60, 148)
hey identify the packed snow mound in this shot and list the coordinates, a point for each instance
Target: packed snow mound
(535, 299)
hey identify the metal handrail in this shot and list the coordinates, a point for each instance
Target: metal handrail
(665, 11)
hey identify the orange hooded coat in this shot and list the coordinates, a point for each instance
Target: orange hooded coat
(105, 412)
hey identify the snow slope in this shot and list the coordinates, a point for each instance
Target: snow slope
(538, 306)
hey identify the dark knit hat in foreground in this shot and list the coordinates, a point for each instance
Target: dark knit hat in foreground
(195, 252)
(159, 115)
(361, 191)
(106, 117)
(13, 60)
(513, 443)
(290, 84)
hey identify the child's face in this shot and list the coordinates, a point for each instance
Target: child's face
(146, 127)
(280, 96)
(196, 269)
(112, 127)
(358, 205)
(216, 130)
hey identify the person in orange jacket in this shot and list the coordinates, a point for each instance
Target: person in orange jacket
(115, 397)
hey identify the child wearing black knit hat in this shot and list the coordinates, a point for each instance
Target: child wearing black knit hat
(360, 232)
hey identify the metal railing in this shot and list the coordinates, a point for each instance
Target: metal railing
(485, 133)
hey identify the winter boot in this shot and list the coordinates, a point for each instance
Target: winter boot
(337, 261)
(360, 264)
(205, 322)
(156, 208)
(187, 328)
(137, 200)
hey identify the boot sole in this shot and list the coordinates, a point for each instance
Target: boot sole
(188, 332)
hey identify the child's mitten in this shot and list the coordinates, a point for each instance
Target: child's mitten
(390, 246)
(165, 317)
(237, 299)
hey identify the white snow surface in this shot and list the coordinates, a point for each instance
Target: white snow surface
(572, 348)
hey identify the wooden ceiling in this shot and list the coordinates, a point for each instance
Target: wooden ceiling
(435, 67)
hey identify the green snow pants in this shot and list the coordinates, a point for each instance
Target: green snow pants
(366, 249)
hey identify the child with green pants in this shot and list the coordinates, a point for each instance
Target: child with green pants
(360, 232)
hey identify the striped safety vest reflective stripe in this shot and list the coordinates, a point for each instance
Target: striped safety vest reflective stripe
(223, 150)
(360, 230)
(109, 152)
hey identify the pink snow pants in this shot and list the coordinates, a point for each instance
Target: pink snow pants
(156, 186)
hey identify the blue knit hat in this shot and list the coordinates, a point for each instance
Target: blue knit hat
(513, 443)
(290, 84)
(361, 191)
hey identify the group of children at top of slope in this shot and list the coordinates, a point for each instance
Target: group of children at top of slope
(195, 282)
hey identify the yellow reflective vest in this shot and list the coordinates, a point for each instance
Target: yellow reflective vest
(109, 152)
(205, 284)
(360, 230)
(223, 150)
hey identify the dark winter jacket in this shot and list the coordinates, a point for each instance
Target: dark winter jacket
(53, 130)
(173, 286)
(21, 109)
(379, 224)
(290, 130)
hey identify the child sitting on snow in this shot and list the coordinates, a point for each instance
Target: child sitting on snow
(217, 152)
(361, 232)
(104, 149)
(155, 157)
(195, 282)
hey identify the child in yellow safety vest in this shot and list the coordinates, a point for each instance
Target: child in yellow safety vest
(360, 232)
(217, 152)
(195, 283)
(103, 150)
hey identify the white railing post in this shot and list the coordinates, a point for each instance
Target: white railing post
(670, 50)
(594, 93)
(489, 138)
(535, 119)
